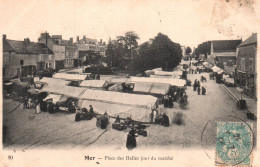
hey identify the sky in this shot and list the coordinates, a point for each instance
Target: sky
(188, 22)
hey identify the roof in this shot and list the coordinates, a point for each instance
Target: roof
(7, 47)
(142, 101)
(93, 83)
(22, 47)
(70, 77)
(87, 40)
(251, 40)
(172, 82)
(152, 88)
(225, 45)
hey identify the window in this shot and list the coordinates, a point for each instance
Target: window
(6, 60)
(251, 62)
(50, 65)
(46, 65)
(67, 61)
(40, 57)
(67, 53)
(21, 62)
(242, 65)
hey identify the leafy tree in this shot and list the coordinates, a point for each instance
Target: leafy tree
(161, 53)
(188, 50)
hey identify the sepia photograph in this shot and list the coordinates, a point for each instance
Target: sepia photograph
(130, 78)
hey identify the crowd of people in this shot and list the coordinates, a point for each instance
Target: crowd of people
(197, 87)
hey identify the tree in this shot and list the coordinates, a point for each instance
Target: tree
(161, 53)
(130, 44)
(188, 50)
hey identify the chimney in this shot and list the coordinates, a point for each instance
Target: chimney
(77, 38)
(27, 40)
(4, 36)
(71, 40)
(84, 38)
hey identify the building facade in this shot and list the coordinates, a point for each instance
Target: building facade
(88, 49)
(246, 65)
(22, 58)
(65, 52)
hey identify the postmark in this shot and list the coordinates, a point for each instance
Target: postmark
(234, 143)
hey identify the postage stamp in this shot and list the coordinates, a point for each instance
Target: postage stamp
(234, 144)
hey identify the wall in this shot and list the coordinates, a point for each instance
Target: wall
(13, 64)
(247, 52)
(59, 52)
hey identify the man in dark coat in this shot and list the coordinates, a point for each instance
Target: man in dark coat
(203, 90)
(165, 120)
(195, 85)
(198, 90)
(131, 140)
(91, 110)
(77, 117)
(25, 101)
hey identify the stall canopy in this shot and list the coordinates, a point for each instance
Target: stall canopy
(99, 84)
(70, 77)
(207, 64)
(161, 76)
(172, 82)
(167, 73)
(229, 80)
(152, 88)
(122, 104)
(116, 88)
(55, 98)
(57, 88)
(216, 69)
(118, 80)
(145, 101)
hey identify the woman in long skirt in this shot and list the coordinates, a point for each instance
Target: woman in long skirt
(131, 141)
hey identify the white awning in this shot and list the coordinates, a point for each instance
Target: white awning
(93, 83)
(172, 82)
(69, 91)
(54, 97)
(70, 77)
(151, 88)
(123, 111)
(142, 101)
(167, 73)
(216, 69)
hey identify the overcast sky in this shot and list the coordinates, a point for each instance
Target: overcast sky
(187, 22)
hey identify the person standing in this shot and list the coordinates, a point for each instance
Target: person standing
(198, 90)
(203, 90)
(166, 121)
(25, 100)
(198, 83)
(195, 85)
(131, 140)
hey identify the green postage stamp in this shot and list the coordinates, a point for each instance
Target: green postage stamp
(234, 144)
